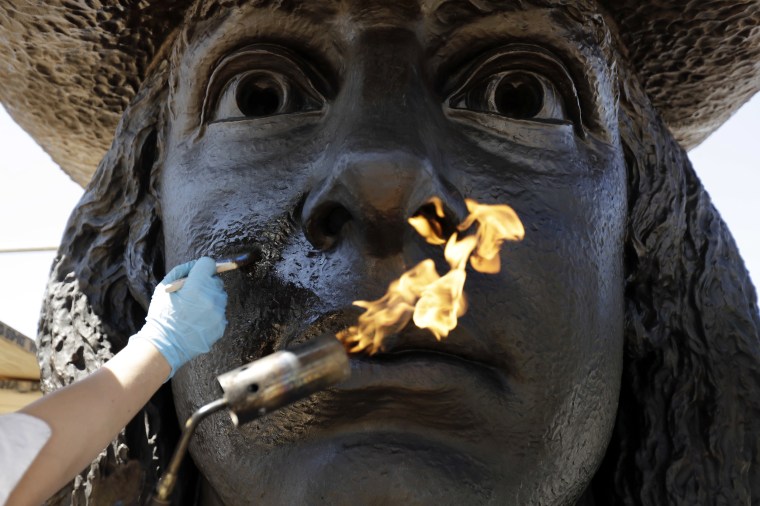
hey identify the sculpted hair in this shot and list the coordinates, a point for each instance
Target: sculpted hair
(687, 427)
(97, 296)
(688, 424)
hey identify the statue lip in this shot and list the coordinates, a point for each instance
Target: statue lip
(410, 354)
(418, 369)
(448, 394)
(431, 396)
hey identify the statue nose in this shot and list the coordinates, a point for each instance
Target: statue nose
(368, 198)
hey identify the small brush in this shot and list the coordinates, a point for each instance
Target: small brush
(224, 265)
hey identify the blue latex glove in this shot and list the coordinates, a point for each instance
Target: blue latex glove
(185, 323)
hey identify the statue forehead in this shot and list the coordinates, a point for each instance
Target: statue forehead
(440, 15)
(411, 8)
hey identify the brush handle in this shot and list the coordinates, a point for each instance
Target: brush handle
(228, 264)
(175, 285)
(223, 266)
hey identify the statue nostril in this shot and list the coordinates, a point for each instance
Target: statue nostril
(335, 219)
(444, 226)
(325, 225)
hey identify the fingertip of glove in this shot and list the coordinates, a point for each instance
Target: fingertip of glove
(204, 266)
(179, 271)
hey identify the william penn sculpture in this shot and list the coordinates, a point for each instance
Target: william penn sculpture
(614, 360)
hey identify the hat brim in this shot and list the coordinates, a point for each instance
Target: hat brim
(68, 73)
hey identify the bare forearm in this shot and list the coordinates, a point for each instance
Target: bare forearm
(86, 416)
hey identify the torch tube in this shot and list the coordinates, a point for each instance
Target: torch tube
(261, 386)
(168, 479)
(283, 377)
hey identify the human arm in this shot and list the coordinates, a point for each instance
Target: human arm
(85, 416)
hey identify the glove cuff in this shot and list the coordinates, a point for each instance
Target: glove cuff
(154, 335)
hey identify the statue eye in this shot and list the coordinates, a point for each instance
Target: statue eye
(261, 81)
(265, 94)
(520, 82)
(261, 93)
(516, 94)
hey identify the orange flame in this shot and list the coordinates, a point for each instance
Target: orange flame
(432, 301)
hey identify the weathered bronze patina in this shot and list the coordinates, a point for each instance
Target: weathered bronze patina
(614, 360)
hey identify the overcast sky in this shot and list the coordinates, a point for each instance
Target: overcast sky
(36, 198)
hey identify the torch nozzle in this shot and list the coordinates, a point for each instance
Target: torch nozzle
(283, 377)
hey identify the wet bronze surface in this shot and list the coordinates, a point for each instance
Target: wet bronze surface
(613, 360)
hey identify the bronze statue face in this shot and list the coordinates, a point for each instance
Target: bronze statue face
(317, 132)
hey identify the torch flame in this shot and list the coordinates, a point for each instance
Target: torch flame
(432, 301)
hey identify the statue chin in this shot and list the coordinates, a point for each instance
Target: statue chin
(384, 469)
(373, 473)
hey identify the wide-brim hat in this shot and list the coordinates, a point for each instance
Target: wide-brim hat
(68, 68)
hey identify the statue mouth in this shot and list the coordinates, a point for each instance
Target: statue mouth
(421, 370)
(416, 390)
(413, 360)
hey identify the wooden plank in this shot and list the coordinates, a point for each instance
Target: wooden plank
(16, 362)
(13, 401)
(15, 394)
(19, 371)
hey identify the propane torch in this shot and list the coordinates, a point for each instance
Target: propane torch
(262, 386)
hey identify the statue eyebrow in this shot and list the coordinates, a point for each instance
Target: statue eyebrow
(447, 14)
(307, 8)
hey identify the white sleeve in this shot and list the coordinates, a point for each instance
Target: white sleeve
(21, 438)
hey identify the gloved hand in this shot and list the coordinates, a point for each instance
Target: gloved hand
(185, 323)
